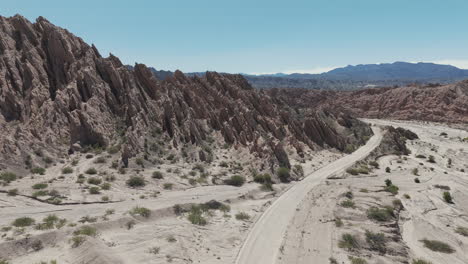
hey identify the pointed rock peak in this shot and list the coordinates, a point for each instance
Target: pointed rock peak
(115, 60)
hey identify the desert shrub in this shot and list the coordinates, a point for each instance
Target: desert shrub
(283, 174)
(349, 195)
(415, 171)
(196, 216)
(2, 261)
(363, 170)
(136, 181)
(420, 156)
(431, 159)
(443, 134)
(262, 178)
(95, 181)
(393, 189)
(347, 204)
(113, 149)
(349, 242)
(38, 170)
(8, 177)
(416, 180)
(157, 175)
(443, 187)
(267, 187)
(387, 169)
(23, 221)
(388, 182)
(437, 246)
(462, 231)
(94, 190)
(154, 250)
(380, 214)
(141, 211)
(12, 192)
(420, 261)
(298, 170)
(140, 162)
(333, 260)
(199, 167)
(106, 186)
(448, 197)
(352, 171)
(376, 241)
(130, 224)
(406, 196)
(223, 164)
(338, 222)
(40, 193)
(76, 241)
(99, 160)
(91, 171)
(39, 186)
(364, 190)
(355, 260)
(86, 230)
(67, 170)
(235, 180)
(178, 210)
(242, 216)
(374, 164)
(168, 186)
(171, 239)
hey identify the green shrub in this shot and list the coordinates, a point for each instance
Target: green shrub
(106, 186)
(39, 186)
(338, 222)
(196, 216)
(374, 164)
(242, 216)
(23, 221)
(94, 181)
(8, 177)
(235, 180)
(67, 170)
(437, 246)
(86, 230)
(94, 190)
(462, 231)
(387, 169)
(416, 180)
(168, 186)
(393, 189)
(113, 149)
(431, 159)
(448, 197)
(40, 193)
(355, 260)
(100, 160)
(141, 211)
(347, 204)
(157, 175)
(12, 192)
(380, 214)
(388, 182)
(352, 171)
(298, 170)
(38, 170)
(223, 164)
(136, 181)
(420, 261)
(376, 241)
(91, 171)
(76, 241)
(420, 156)
(349, 242)
(262, 178)
(415, 171)
(283, 174)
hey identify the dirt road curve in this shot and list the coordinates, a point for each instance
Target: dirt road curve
(263, 243)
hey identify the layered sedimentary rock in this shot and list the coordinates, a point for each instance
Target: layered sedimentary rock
(58, 93)
(440, 103)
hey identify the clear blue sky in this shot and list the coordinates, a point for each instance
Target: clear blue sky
(262, 36)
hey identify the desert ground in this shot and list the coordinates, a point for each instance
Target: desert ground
(182, 217)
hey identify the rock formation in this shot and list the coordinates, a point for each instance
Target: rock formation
(59, 94)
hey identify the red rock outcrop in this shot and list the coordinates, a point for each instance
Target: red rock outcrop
(447, 103)
(57, 91)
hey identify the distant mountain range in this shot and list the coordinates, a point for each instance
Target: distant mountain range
(353, 77)
(364, 75)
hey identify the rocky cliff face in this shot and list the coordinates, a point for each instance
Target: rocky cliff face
(447, 103)
(58, 93)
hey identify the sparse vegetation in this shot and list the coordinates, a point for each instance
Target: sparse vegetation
(376, 241)
(355, 260)
(420, 261)
(136, 181)
(393, 189)
(141, 211)
(76, 241)
(235, 180)
(157, 175)
(39, 186)
(438, 246)
(94, 190)
(38, 170)
(387, 169)
(347, 204)
(23, 222)
(462, 231)
(415, 171)
(168, 186)
(338, 222)
(242, 216)
(380, 214)
(12, 192)
(8, 177)
(448, 197)
(67, 170)
(86, 230)
(91, 171)
(106, 186)
(283, 174)
(196, 216)
(431, 159)
(94, 181)
(348, 242)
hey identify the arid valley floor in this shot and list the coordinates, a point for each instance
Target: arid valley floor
(343, 209)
